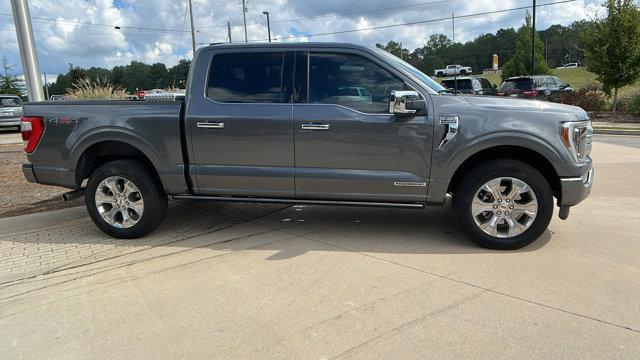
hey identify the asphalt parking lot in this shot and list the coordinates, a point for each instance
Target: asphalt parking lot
(222, 280)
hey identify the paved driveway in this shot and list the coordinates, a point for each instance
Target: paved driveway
(266, 281)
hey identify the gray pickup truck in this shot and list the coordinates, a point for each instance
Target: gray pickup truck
(281, 123)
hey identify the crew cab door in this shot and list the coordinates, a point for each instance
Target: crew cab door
(349, 147)
(240, 123)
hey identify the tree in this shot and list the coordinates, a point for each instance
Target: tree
(9, 83)
(612, 48)
(520, 63)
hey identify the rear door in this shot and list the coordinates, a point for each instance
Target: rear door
(241, 127)
(351, 147)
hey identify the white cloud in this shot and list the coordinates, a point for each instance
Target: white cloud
(71, 40)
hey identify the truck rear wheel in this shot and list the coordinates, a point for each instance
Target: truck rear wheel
(125, 199)
(503, 204)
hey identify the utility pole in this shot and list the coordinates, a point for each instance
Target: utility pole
(244, 19)
(453, 28)
(193, 32)
(27, 46)
(401, 50)
(46, 87)
(533, 40)
(229, 31)
(268, 25)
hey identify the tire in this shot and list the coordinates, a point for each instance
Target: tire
(463, 72)
(149, 199)
(499, 234)
(439, 74)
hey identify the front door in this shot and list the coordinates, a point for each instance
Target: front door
(347, 144)
(241, 127)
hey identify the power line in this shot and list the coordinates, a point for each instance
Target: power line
(342, 14)
(448, 18)
(101, 25)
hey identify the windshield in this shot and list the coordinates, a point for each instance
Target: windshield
(424, 78)
(517, 84)
(460, 85)
(10, 102)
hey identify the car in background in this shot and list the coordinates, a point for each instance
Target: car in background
(569, 66)
(57, 97)
(452, 70)
(476, 85)
(540, 87)
(10, 111)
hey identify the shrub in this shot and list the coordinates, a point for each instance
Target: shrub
(99, 89)
(589, 100)
(631, 104)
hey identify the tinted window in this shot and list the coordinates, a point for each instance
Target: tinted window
(247, 78)
(464, 85)
(485, 84)
(10, 102)
(351, 81)
(517, 84)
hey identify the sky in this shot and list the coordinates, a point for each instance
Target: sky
(83, 32)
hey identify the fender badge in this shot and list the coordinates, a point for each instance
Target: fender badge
(446, 120)
(410, 183)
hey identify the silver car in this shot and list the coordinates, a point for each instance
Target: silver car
(10, 110)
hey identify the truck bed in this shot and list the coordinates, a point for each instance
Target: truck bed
(73, 127)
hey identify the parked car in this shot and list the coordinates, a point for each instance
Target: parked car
(266, 123)
(451, 70)
(10, 111)
(57, 97)
(569, 66)
(475, 85)
(539, 87)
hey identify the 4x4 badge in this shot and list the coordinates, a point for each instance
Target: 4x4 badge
(444, 120)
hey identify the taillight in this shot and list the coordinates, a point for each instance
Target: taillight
(31, 128)
(530, 93)
(501, 94)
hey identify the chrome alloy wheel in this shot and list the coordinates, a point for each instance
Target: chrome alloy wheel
(504, 207)
(119, 202)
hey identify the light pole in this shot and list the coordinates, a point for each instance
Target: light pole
(533, 40)
(193, 32)
(27, 46)
(268, 25)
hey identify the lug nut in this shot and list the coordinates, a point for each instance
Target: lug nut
(506, 213)
(495, 206)
(510, 206)
(499, 200)
(499, 213)
(508, 200)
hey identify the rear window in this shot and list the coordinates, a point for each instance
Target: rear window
(460, 85)
(517, 84)
(10, 102)
(246, 78)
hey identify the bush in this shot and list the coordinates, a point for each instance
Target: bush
(630, 104)
(589, 100)
(99, 89)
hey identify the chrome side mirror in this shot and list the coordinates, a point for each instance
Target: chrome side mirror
(405, 103)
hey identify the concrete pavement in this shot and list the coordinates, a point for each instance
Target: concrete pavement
(264, 281)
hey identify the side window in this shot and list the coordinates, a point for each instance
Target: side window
(351, 81)
(485, 83)
(247, 78)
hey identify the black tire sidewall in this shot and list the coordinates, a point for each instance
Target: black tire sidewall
(155, 201)
(495, 169)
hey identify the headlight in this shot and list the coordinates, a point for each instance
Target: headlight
(577, 137)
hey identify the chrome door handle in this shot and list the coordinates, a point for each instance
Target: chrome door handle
(211, 125)
(316, 126)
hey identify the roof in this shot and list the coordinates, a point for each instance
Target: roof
(526, 77)
(285, 45)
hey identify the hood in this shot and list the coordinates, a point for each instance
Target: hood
(514, 104)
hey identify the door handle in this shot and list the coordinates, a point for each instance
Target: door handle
(316, 126)
(211, 125)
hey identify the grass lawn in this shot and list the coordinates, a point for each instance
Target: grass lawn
(577, 78)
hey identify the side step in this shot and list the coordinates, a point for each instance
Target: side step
(301, 201)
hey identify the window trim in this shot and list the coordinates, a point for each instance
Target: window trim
(253, 51)
(334, 51)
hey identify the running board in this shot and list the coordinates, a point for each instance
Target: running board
(300, 201)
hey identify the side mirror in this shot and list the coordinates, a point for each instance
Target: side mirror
(405, 103)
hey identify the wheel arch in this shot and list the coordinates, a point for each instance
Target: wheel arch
(516, 152)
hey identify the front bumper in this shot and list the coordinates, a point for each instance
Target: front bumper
(10, 121)
(29, 174)
(575, 189)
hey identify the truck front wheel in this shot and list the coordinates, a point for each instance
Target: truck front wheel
(125, 199)
(503, 204)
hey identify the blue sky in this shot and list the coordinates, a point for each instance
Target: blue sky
(83, 32)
